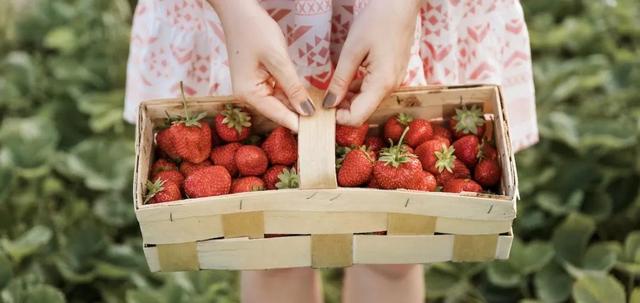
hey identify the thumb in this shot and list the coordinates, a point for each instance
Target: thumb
(282, 69)
(348, 63)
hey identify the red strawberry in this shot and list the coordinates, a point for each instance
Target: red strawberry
(208, 181)
(187, 138)
(356, 168)
(233, 123)
(225, 155)
(395, 125)
(162, 165)
(373, 183)
(281, 147)
(419, 132)
(396, 167)
(351, 136)
(374, 144)
(486, 151)
(271, 176)
(487, 172)
(440, 131)
(251, 160)
(162, 191)
(424, 181)
(460, 185)
(246, 184)
(467, 149)
(426, 152)
(453, 170)
(467, 121)
(186, 167)
(169, 176)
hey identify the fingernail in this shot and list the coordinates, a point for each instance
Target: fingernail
(308, 108)
(329, 100)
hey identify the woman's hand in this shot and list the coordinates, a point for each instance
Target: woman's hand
(379, 42)
(262, 73)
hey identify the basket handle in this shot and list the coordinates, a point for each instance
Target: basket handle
(316, 146)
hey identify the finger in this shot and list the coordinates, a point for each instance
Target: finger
(364, 104)
(282, 70)
(275, 111)
(350, 59)
(278, 93)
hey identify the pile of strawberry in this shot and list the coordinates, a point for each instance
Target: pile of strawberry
(417, 154)
(194, 160)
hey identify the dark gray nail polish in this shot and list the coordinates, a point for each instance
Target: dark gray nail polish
(308, 108)
(329, 100)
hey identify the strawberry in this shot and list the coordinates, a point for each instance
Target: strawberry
(487, 151)
(466, 149)
(373, 183)
(270, 177)
(487, 172)
(395, 125)
(288, 179)
(162, 165)
(424, 181)
(225, 155)
(396, 167)
(426, 152)
(251, 160)
(162, 191)
(186, 167)
(356, 168)
(419, 132)
(454, 169)
(281, 147)
(374, 144)
(460, 185)
(467, 121)
(208, 181)
(351, 136)
(187, 137)
(169, 176)
(246, 184)
(232, 124)
(440, 131)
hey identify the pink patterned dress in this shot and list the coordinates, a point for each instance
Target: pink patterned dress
(456, 42)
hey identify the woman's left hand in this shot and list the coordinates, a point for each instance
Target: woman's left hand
(379, 42)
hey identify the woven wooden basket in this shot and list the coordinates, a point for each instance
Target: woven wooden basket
(320, 224)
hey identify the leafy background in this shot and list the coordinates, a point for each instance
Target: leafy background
(68, 232)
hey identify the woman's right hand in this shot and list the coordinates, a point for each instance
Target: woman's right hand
(262, 73)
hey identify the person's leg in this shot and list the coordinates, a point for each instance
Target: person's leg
(383, 283)
(281, 286)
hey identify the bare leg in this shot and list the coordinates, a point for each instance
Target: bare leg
(383, 283)
(281, 286)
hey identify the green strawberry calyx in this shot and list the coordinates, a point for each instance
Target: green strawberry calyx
(395, 155)
(153, 188)
(235, 117)
(404, 119)
(445, 158)
(187, 119)
(288, 179)
(468, 119)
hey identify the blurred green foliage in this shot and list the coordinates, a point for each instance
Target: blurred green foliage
(67, 228)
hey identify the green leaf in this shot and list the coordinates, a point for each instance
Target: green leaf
(28, 144)
(502, 274)
(61, 38)
(570, 238)
(102, 164)
(635, 295)
(531, 257)
(6, 270)
(601, 256)
(44, 294)
(27, 244)
(598, 288)
(552, 283)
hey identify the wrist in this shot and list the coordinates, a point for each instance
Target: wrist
(232, 8)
